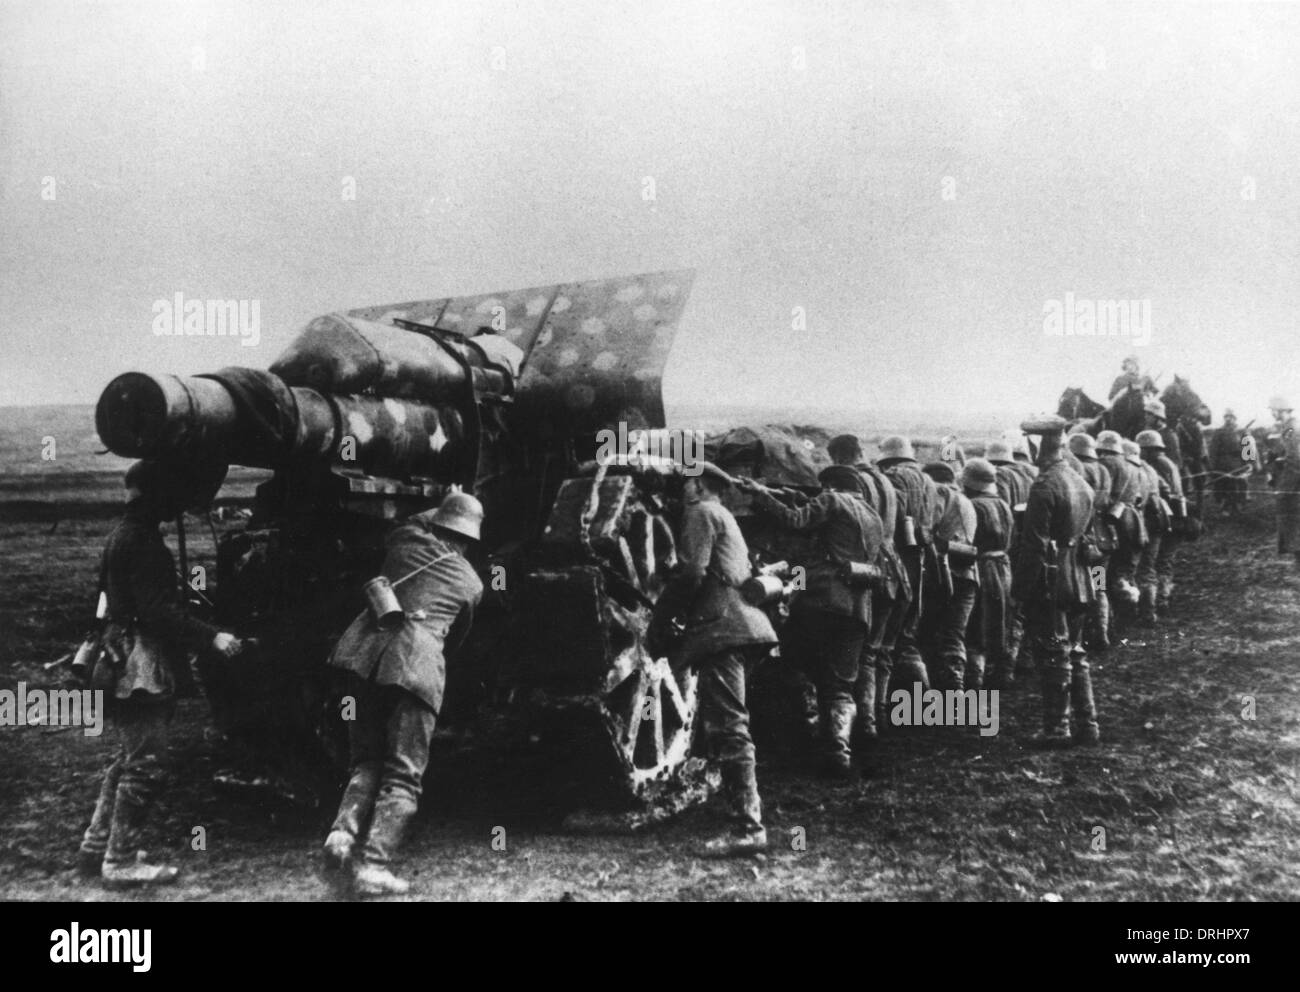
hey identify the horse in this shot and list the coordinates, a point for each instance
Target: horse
(1125, 415)
(1186, 414)
(1075, 406)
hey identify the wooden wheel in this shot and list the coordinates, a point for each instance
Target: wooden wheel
(649, 714)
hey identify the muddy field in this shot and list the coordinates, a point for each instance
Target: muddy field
(1196, 800)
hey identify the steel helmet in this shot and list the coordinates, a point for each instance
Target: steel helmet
(1132, 452)
(1150, 439)
(1280, 403)
(896, 446)
(998, 451)
(979, 476)
(1154, 407)
(461, 514)
(1016, 440)
(940, 471)
(1083, 446)
(1110, 442)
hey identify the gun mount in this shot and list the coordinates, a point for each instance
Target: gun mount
(375, 413)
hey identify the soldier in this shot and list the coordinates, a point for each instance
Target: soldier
(1152, 491)
(1157, 420)
(1097, 625)
(1131, 380)
(880, 496)
(1020, 453)
(149, 634)
(397, 678)
(1287, 479)
(830, 618)
(1052, 583)
(1153, 452)
(1126, 517)
(916, 503)
(724, 638)
(1227, 461)
(1013, 482)
(988, 632)
(948, 611)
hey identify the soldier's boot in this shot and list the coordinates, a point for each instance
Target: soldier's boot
(94, 843)
(353, 816)
(884, 672)
(1164, 593)
(809, 716)
(388, 826)
(975, 670)
(1018, 662)
(1056, 709)
(1147, 605)
(864, 693)
(746, 836)
(1098, 638)
(124, 863)
(1082, 708)
(910, 669)
(839, 731)
(1001, 674)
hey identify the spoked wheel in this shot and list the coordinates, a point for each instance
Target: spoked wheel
(649, 714)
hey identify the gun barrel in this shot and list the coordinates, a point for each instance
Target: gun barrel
(250, 417)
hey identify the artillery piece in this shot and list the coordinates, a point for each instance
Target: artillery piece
(375, 413)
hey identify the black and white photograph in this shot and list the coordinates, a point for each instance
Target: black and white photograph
(663, 451)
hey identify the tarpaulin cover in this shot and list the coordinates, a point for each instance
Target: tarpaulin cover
(781, 455)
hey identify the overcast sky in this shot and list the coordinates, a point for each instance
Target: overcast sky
(920, 179)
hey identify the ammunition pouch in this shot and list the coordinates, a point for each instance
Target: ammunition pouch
(962, 554)
(861, 575)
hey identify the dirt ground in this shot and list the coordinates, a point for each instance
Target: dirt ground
(1197, 801)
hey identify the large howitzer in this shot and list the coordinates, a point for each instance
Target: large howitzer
(373, 414)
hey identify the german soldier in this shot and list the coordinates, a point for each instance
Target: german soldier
(831, 618)
(1153, 452)
(916, 507)
(1126, 517)
(1287, 479)
(880, 496)
(1227, 462)
(1152, 491)
(988, 633)
(1131, 379)
(1097, 476)
(398, 675)
(724, 637)
(948, 612)
(1051, 581)
(149, 636)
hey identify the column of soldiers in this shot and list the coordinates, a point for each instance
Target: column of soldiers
(952, 572)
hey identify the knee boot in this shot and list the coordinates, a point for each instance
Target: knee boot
(1147, 605)
(839, 730)
(1164, 592)
(94, 843)
(746, 836)
(124, 862)
(354, 814)
(1056, 707)
(864, 725)
(388, 825)
(1082, 708)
